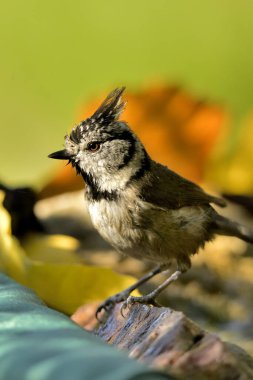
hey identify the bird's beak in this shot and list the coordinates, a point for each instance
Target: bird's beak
(60, 155)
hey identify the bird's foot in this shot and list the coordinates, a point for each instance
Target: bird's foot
(131, 300)
(150, 298)
(110, 302)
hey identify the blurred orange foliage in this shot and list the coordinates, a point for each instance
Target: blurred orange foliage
(176, 129)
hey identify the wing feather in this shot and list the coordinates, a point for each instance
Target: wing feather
(169, 190)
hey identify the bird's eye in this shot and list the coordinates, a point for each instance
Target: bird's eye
(93, 146)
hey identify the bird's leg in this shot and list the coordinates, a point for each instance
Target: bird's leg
(150, 297)
(122, 296)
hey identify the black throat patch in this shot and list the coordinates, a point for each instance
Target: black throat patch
(93, 193)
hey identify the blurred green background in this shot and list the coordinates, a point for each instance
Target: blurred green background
(55, 55)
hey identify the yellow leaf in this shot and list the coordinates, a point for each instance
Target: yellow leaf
(233, 173)
(52, 248)
(53, 270)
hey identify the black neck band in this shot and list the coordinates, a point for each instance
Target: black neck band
(93, 193)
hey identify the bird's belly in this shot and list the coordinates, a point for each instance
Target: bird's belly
(118, 225)
(159, 236)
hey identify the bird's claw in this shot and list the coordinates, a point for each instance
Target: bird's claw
(105, 306)
(126, 305)
(131, 300)
(109, 303)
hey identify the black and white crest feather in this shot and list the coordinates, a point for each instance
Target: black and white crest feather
(111, 108)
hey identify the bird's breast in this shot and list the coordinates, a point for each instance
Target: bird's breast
(115, 221)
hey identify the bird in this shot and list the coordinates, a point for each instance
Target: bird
(141, 207)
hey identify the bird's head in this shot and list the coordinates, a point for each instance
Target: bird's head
(103, 149)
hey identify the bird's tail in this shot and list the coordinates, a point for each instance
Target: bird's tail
(227, 227)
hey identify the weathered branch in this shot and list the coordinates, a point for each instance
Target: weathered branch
(168, 340)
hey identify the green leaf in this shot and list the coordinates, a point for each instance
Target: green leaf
(38, 343)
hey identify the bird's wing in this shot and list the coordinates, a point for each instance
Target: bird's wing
(167, 189)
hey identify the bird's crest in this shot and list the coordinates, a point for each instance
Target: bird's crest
(108, 112)
(111, 108)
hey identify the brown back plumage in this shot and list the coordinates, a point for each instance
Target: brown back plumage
(166, 189)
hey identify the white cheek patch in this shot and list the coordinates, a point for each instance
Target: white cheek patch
(84, 167)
